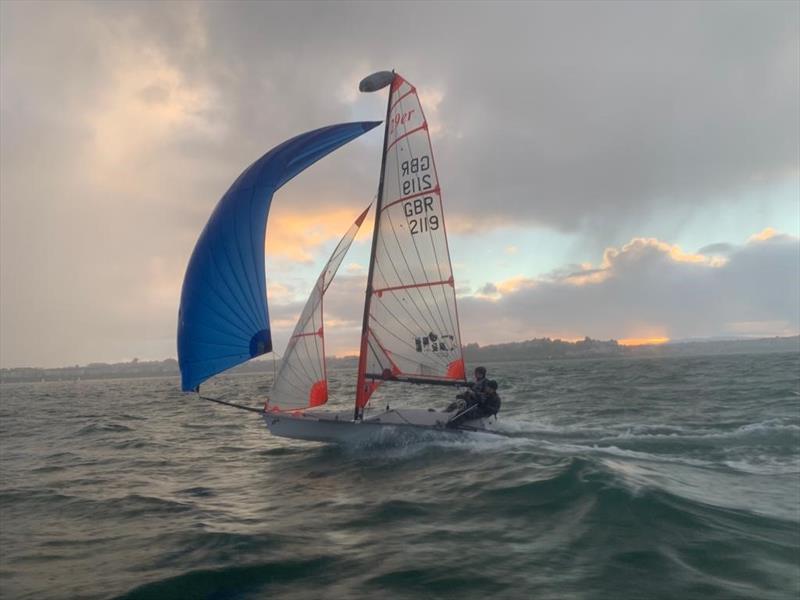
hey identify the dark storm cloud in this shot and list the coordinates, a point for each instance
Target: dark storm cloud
(574, 115)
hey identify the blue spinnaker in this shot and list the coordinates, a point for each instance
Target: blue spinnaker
(223, 318)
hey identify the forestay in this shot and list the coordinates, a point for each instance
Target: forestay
(302, 380)
(411, 324)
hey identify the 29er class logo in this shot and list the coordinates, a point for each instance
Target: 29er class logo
(432, 342)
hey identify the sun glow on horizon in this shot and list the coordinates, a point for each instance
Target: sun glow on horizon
(652, 341)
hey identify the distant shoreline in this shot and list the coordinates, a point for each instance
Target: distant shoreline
(536, 349)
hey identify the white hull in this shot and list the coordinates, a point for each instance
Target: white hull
(339, 427)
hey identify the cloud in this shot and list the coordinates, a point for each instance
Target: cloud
(605, 113)
(296, 236)
(719, 249)
(118, 138)
(648, 289)
(763, 235)
(618, 109)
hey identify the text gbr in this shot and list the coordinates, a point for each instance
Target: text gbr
(415, 180)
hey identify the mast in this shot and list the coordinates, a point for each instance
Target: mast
(362, 357)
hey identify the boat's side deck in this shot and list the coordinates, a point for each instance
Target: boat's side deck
(326, 425)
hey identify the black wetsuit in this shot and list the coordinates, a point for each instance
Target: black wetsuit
(481, 401)
(481, 386)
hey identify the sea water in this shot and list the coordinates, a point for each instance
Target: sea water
(617, 478)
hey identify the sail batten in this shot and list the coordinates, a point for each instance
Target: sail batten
(410, 317)
(413, 285)
(410, 197)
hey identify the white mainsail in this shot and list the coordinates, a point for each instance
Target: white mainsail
(302, 380)
(411, 326)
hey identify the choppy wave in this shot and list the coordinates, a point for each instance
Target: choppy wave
(609, 485)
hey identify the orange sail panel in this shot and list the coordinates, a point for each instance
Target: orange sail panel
(412, 322)
(302, 381)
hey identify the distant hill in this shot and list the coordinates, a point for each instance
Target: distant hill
(721, 346)
(546, 348)
(134, 368)
(536, 349)
(543, 348)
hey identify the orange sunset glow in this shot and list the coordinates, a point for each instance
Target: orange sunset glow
(294, 235)
(645, 341)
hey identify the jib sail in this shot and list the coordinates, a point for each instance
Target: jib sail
(302, 380)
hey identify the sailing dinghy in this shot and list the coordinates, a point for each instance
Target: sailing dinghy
(410, 331)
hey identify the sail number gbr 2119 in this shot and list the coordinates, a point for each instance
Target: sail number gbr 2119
(418, 211)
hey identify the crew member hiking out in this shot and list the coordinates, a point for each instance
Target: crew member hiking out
(478, 402)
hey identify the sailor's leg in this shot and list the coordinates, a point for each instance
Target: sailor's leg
(456, 405)
(465, 414)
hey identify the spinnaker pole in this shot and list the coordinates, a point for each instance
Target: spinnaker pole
(372, 83)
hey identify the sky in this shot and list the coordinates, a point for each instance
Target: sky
(612, 170)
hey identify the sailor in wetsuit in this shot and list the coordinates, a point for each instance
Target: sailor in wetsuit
(479, 401)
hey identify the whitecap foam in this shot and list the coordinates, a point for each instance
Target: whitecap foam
(765, 465)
